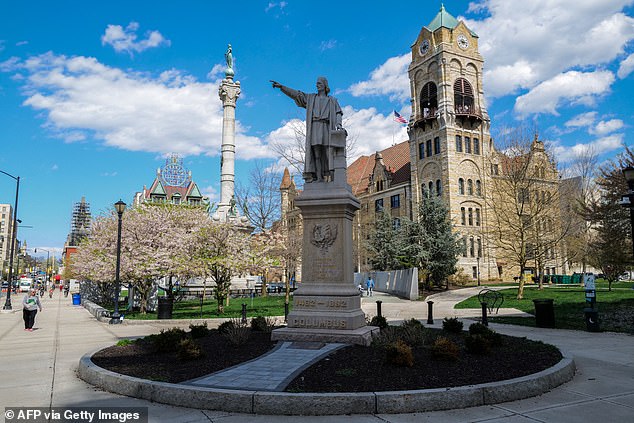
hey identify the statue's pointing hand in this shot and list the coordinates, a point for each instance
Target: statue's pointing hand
(275, 84)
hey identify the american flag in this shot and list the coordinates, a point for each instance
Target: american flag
(399, 118)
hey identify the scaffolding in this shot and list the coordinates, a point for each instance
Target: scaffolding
(80, 223)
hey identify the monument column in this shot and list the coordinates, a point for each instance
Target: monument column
(229, 92)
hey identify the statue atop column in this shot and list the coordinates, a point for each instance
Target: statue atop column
(229, 73)
(325, 135)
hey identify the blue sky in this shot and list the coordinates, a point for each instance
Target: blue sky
(93, 95)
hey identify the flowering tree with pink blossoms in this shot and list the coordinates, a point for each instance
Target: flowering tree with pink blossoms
(221, 252)
(156, 241)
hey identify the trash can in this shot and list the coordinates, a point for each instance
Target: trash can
(592, 319)
(544, 313)
(165, 307)
(76, 299)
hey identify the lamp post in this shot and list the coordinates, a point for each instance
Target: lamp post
(628, 200)
(116, 318)
(7, 303)
(48, 255)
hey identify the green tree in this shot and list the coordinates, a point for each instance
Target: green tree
(385, 245)
(438, 246)
(611, 250)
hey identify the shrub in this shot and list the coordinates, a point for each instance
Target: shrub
(452, 324)
(444, 349)
(167, 340)
(413, 336)
(412, 323)
(477, 344)
(492, 336)
(198, 331)
(399, 354)
(237, 333)
(125, 342)
(263, 324)
(379, 321)
(385, 337)
(188, 349)
(225, 326)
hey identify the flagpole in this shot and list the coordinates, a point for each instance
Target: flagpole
(393, 123)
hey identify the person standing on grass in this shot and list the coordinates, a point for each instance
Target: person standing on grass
(30, 304)
(370, 286)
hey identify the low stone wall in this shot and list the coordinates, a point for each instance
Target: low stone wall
(402, 283)
(276, 403)
(96, 310)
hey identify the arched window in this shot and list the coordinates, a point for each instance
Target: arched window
(428, 100)
(471, 247)
(464, 246)
(463, 96)
(479, 247)
(461, 186)
(463, 217)
(423, 190)
(478, 188)
(477, 217)
(458, 143)
(469, 187)
(430, 185)
(438, 187)
(470, 216)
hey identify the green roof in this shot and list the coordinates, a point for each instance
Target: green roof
(444, 19)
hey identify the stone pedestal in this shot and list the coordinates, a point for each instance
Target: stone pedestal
(327, 306)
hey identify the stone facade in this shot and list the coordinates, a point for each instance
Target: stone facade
(449, 153)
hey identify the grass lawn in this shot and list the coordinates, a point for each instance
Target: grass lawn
(258, 306)
(616, 308)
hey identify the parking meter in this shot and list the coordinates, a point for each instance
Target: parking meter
(590, 289)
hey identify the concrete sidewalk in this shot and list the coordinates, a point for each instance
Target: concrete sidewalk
(38, 368)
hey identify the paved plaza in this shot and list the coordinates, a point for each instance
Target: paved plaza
(38, 368)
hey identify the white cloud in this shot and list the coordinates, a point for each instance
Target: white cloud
(54, 167)
(626, 67)
(272, 5)
(599, 146)
(210, 192)
(572, 87)
(327, 45)
(84, 100)
(582, 120)
(540, 39)
(388, 79)
(125, 39)
(606, 127)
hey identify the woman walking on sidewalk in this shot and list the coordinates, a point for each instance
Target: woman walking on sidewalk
(30, 304)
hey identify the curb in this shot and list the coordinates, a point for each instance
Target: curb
(284, 403)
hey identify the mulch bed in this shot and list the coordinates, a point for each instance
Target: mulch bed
(351, 369)
(141, 359)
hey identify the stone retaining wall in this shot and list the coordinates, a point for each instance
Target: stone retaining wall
(402, 283)
(283, 403)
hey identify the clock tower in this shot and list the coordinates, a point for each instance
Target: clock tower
(449, 135)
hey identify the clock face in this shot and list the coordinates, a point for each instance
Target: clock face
(463, 43)
(174, 175)
(424, 47)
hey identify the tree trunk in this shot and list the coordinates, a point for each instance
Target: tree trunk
(520, 288)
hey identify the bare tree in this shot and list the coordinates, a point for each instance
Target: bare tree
(579, 194)
(295, 152)
(524, 199)
(260, 200)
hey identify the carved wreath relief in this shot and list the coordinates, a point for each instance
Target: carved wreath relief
(323, 236)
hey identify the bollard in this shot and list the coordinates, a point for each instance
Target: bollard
(430, 312)
(285, 312)
(378, 307)
(244, 313)
(485, 320)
